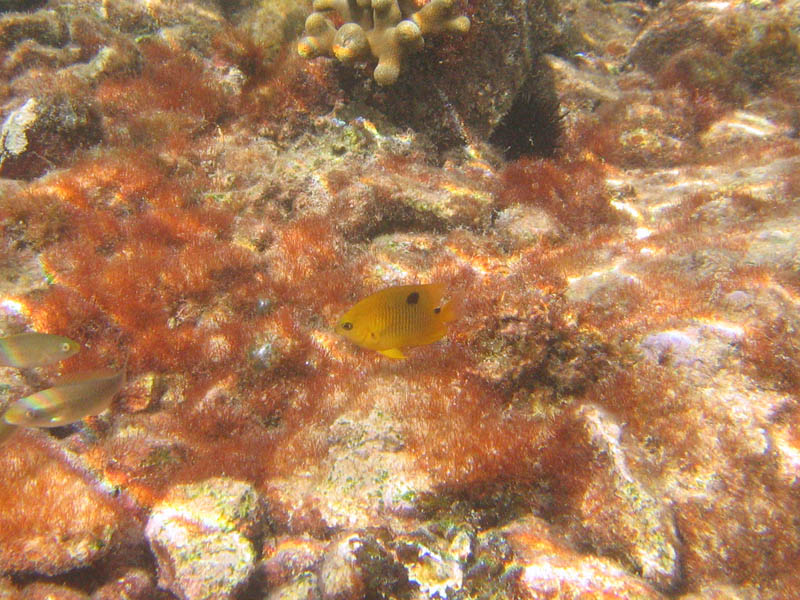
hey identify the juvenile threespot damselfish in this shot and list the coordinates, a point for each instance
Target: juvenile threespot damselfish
(398, 317)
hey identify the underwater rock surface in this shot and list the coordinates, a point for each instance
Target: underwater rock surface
(199, 534)
(613, 414)
(32, 541)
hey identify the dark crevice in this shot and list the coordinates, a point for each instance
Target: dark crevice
(532, 126)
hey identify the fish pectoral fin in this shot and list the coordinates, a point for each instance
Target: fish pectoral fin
(393, 353)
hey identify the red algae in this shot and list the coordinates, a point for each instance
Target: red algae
(171, 80)
(57, 502)
(476, 445)
(558, 187)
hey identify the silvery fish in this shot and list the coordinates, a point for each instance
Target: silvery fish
(35, 349)
(69, 401)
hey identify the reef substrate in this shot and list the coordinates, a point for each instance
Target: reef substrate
(614, 414)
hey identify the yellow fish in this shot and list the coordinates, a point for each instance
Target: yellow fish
(35, 349)
(396, 318)
(69, 401)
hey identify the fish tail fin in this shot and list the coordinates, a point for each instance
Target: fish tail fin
(450, 310)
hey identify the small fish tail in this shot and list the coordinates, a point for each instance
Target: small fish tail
(451, 309)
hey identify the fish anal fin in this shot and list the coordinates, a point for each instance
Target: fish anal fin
(393, 353)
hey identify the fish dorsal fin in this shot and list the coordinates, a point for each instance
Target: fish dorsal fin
(393, 353)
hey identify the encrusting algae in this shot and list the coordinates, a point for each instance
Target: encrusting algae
(396, 318)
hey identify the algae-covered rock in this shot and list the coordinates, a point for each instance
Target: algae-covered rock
(547, 568)
(387, 29)
(461, 90)
(304, 587)
(42, 132)
(44, 26)
(51, 591)
(367, 478)
(133, 584)
(357, 566)
(289, 559)
(620, 515)
(7, 590)
(199, 535)
(52, 519)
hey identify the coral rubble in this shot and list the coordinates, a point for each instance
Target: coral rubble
(614, 413)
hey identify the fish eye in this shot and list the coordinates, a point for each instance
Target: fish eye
(437, 310)
(65, 347)
(412, 298)
(347, 326)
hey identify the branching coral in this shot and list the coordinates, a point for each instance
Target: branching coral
(388, 29)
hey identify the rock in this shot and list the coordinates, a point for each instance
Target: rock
(739, 128)
(765, 51)
(519, 226)
(567, 577)
(551, 570)
(357, 566)
(619, 515)
(44, 26)
(7, 590)
(599, 285)
(50, 591)
(674, 28)
(777, 244)
(303, 587)
(199, 535)
(703, 348)
(387, 202)
(339, 576)
(436, 568)
(508, 92)
(366, 479)
(134, 584)
(40, 133)
(289, 558)
(52, 519)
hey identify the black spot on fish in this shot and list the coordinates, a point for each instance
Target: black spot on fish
(437, 310)
(412, 298)
(347, 326)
